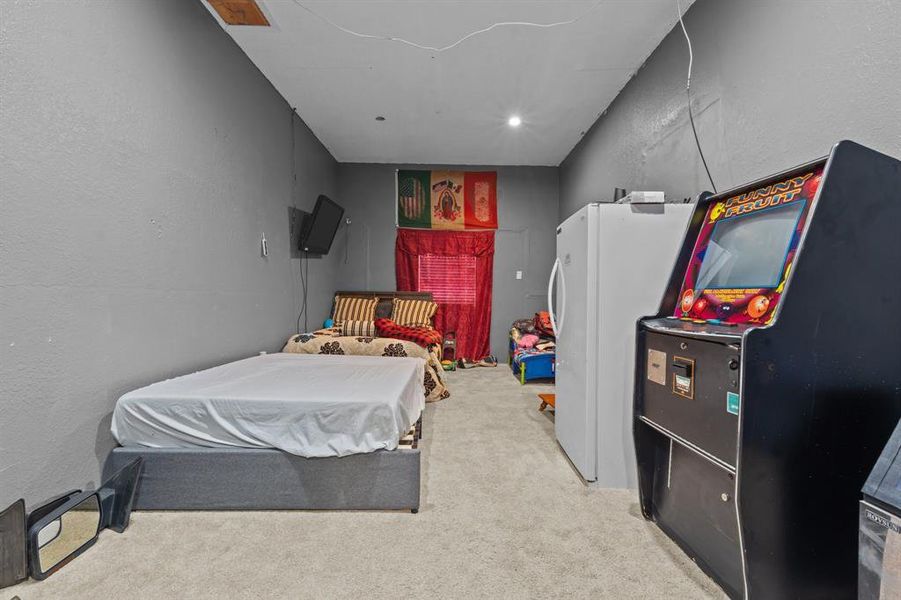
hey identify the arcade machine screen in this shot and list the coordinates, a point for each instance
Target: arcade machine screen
(744, 253)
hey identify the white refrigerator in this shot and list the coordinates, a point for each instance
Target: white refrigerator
(613, 263)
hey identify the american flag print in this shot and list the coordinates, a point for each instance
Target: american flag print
(411, 198)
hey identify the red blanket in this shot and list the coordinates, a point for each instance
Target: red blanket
(423, 336)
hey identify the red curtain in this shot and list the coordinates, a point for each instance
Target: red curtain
(456, 266)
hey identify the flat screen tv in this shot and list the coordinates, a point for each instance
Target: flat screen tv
(319, 228)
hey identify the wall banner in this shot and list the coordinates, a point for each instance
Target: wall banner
(449, 200)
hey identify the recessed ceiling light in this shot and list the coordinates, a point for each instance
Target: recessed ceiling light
(380, 118)
(514, 121)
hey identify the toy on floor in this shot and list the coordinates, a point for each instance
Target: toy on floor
(449, 351)
(547, 400)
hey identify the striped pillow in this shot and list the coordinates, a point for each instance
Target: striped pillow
(349, 308)
(413, 313)
(358, 328)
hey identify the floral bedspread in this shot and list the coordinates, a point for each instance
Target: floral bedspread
(325, 342)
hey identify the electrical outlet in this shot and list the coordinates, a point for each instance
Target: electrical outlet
(519, 274)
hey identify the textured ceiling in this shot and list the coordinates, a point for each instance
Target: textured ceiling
(452, 107)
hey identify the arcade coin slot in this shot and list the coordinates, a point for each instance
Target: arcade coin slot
(694, 412)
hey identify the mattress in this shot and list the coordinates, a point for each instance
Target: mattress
(307, 405)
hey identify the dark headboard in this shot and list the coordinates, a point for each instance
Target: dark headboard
(384, 307)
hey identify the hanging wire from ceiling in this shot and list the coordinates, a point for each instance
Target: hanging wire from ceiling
(691, 117)
(439, 49)
(304, 279)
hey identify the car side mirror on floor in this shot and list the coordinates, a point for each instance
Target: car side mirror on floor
(61, 529)
(68, 526)
(63, 533)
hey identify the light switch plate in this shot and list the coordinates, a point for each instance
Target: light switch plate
(519, 274)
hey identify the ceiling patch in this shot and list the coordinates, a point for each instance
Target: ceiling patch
(240, 12)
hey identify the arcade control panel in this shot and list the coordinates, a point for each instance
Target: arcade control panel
(692, 392)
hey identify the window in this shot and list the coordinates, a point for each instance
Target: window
(451, 279)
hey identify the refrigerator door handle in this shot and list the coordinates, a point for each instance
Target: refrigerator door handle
(550, 297)
(562, 301)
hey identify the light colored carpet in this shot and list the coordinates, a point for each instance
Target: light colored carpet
(503, 516)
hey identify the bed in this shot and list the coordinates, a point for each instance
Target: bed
(239, 437)
(332, 340)
(533, 358)
(333, 343)
(312, 406)
(278, 431)
(529, 364)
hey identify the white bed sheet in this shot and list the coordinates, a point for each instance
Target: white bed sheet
(308, 405)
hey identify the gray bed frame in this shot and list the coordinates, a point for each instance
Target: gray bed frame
(264, 479)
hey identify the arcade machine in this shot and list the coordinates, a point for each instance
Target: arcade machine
(770, 379)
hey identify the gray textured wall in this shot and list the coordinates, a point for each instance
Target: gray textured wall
(142, 155)
(774, 84)
(527, 207)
